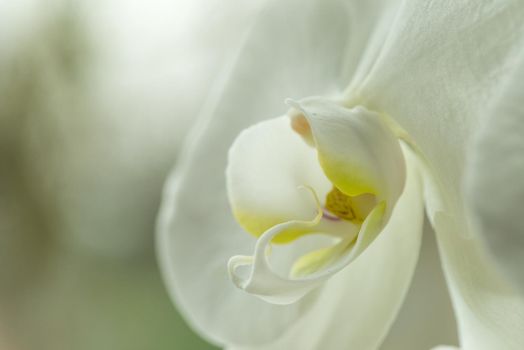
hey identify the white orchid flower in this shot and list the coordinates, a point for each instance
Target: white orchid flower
(318, 217)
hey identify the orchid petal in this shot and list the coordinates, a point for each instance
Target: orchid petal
(265, 283)
(428, 295)
(440, 65)
(496, 179)
(357, 306)
(196, 232)
(267, 164)
(489, 311)
(356, 149)
(458, 55)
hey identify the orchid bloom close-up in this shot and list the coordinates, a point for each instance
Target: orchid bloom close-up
(337, 134)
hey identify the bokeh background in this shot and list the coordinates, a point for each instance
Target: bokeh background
(95, 100)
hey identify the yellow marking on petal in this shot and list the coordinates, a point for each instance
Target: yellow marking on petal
(363, 205)
(350, 208)
(340, 204)
(316, 260)
(372, 226)
(258, 224)
(353, 181)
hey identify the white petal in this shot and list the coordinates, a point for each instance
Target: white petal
(489, 311)
(356, 307)
(496, 179)
(286, 53)
(267, 165)
(268, 162)
(356, 149)
(438, 69)
(264, 282)
(427, 295)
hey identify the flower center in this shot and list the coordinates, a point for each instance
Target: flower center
(351, 157)
(349, 208)
(340, 204)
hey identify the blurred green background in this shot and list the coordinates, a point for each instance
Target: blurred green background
(92, 116)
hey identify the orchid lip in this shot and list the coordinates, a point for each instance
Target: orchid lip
(351, 159)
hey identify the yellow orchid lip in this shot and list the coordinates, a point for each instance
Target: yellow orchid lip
(355, 165)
